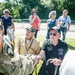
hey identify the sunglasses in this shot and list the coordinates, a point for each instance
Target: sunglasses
(6, 12)
(34, 12)
(54, 34)
(54, 14)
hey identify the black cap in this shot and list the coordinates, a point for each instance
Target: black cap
(31, 29)
(55, 28)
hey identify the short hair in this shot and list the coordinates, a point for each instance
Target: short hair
(33, 10)
(52, 13)
(65, 10)
(6, 10)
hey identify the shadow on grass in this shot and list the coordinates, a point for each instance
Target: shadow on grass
(71, 47)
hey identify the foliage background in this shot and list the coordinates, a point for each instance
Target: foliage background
(22, 8)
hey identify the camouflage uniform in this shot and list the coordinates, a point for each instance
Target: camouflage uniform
(15, 64)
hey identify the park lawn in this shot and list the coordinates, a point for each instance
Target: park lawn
(70, 42)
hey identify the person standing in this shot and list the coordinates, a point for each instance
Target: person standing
(5, 19)
(10, 33)
(64, 23)
(51, 22)
(35, 21)
(54, 50)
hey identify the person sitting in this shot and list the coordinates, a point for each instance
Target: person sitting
(54, 50)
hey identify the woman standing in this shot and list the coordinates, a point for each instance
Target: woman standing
(51, 22)
(34, 21)
(5, 19)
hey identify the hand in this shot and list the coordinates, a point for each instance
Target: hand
(34, 17)
(56, 62)
(35, 59)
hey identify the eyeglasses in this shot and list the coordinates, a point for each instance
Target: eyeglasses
(54, 34)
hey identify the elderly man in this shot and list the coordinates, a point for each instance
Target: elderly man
(13, 64)
(68, 65)
(28, 45)
(53, 50)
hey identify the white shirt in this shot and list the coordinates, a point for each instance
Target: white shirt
(66, 20)
(68, 65)
(11, 33)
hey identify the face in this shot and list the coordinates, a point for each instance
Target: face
(54, 35)
(6, 13)
(65, 13)
(53, 15)
(34, 13)
(29, 34)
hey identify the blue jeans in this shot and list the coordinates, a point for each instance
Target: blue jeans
(64, 31)
(47, 35)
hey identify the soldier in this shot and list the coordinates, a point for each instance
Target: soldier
(11, 63)
(28, 45)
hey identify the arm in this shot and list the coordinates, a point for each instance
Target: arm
(39, 21)
(13, 24)
(41, 55)
(69, 22)
(31, 20)
(56, 22)
(1, 22)
(47, 24)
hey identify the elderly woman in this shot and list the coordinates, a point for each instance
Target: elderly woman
(5, 19)
(51, 22)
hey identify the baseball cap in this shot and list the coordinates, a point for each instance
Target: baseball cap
(30, 29)
(55, 28)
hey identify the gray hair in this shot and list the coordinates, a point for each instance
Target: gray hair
(51, 13)
(65, 10)
(6, 10)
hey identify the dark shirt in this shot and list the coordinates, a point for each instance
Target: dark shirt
(6, 21)
(51, 23)
(52, 51)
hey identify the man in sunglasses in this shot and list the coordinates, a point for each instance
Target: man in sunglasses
(53, 50)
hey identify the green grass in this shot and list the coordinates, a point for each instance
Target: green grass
(70, 42)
